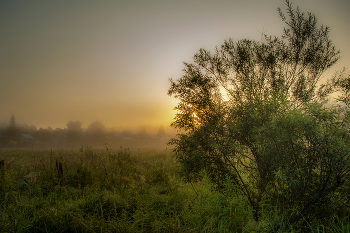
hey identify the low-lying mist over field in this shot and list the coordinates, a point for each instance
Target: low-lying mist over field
(74, 135)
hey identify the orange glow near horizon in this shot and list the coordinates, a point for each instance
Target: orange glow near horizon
(110, 60)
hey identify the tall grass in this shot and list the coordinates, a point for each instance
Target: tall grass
(110, 190)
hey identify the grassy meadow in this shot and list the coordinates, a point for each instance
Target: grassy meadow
(119, 190)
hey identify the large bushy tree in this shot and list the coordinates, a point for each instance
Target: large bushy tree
(255, 111)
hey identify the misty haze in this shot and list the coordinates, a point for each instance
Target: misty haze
(174, 116)
(14, 135)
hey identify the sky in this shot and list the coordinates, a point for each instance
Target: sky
(110, 61)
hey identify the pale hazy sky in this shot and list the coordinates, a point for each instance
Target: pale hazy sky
(110, 61)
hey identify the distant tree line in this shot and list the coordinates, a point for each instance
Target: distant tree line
(14, 134)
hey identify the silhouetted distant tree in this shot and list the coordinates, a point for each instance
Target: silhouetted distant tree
(74, 131)
(142, 133)
(59, 135)
(96, 131)
(42, 135)
(12, 131)
(24, 128)
(161, 132)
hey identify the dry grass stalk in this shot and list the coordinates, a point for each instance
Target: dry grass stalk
(59, 169)
(2, 163)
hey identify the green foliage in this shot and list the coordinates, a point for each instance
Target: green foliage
(253, 112)
(94, 190)
(6, 179)
(157, 175)
(209, 210)
(141, 192)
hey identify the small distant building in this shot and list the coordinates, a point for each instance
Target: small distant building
(26, 138)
